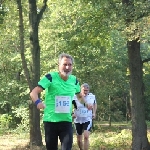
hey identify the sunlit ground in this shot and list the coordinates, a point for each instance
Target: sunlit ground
(117, 137)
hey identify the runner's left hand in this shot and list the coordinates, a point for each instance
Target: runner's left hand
(93, 116)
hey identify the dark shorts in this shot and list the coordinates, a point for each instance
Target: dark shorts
(63, 130)
(84, 126)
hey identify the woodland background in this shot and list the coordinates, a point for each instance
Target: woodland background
(110, 42)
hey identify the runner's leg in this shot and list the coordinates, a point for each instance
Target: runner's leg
(87, 127)
(51, 136)
(66, 135)
(79, 129)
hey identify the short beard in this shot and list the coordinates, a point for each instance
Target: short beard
(66, 74)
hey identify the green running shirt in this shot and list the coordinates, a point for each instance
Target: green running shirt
(58, 96)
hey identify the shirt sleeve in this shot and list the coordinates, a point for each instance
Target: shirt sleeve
(95, 101)
(93, 97)
(78, 89)
(74, 103)
(45, 81)
(75, 97)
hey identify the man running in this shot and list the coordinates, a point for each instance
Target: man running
(83, 117)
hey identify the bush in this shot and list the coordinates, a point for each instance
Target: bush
(23, 114)
(5, 121)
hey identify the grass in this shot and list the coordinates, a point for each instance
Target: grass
(103, 137)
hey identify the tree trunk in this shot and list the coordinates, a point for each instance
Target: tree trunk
(34, 20)
(139, 128)
(35, 132)
(34, 114)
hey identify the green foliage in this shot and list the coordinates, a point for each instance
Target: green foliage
(5, 121)
(93, 33)
(2, 14)
(84, 32)
(5, 107)
(23, 114)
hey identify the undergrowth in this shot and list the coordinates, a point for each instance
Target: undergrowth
(102, 137)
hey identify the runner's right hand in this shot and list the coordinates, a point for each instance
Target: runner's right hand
(40, 105)
(89, 106)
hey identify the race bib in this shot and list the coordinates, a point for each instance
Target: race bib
(82, 112)
(62, 104)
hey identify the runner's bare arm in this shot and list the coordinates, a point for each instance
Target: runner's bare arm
(94, 110)
(82, 100)
(34, 96)
(35, 92)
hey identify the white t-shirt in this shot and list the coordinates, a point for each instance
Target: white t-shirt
(82, 113)
(93, 97)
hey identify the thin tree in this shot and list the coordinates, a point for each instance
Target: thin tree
(34, 20)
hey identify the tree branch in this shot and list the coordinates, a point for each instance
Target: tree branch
(39, 16)
(21, 46)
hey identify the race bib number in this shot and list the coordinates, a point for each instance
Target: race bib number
(62, 104)
(82, 112)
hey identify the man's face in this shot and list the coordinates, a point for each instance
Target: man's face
(85, 91)
(65, 66)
